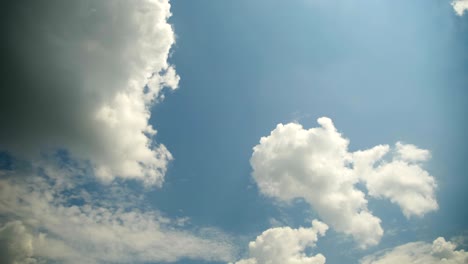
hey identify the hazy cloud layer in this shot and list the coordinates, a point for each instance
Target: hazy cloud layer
(48, 221)
(440, 251)
(460, 6)
(285, 245)
(315, 164)
(82, 75)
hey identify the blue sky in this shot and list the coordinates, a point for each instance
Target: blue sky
(383, 71)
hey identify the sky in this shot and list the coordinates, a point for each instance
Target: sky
(243, 132)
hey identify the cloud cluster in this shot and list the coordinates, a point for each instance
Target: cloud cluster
(82, 76)
(460, 6)
(440, 251)
(51, 223)
(285, 245)
(315, 164)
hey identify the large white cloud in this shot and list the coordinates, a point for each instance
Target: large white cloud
(441, 251)
(315, 164)
(285, 245)
(460, 6)
(82, 76)
(46, 221)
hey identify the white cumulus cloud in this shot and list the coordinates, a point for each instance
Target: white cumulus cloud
(402, 180)
(460, 6)
(82, 76)
(316, 165)
(285, 245)
(441, 251)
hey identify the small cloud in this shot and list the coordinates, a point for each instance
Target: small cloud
(282, 245)
(460, 6)
(440, 251)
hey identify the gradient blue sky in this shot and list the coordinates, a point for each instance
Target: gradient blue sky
(383, 71)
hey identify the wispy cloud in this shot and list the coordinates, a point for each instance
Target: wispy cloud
(49, 221)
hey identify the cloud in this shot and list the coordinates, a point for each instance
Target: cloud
(401, 180)
(79, 80)
(460, 6)
(48, 222)
(82, 76)
(285, 245)
(315, 164)
(440, 251)
(15, 244)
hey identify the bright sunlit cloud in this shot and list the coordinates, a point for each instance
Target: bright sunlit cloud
(316, 165)
(460, 6)
(286, 245)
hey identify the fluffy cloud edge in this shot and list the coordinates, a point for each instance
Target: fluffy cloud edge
(316, 165)
(440, 251)
(460, 6)
(89, 73)
(281, 245)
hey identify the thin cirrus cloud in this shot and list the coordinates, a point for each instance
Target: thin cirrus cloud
(93, 70)
(316, 165)
(440, 251)
(286, 245)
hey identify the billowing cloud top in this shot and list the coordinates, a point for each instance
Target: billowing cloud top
(315, 164)
(81, 76)
(282, 245)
